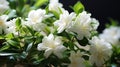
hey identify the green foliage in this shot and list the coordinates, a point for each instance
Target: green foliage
(83, 42)
(18, 24)
(115, 56)
(7, 54)
(21, 47)
(1, 37)
(112, 23)
(9, 36)
(40, 3)
(30, 30)
(5, 47)
(78, 7)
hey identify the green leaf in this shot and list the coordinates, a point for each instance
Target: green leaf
(25, 1)
(23, 55)
(29, 47)
(12, 4)
(71, 45)
(7, 54)
(9, 36)
(94, 33)
(24, 30)
(18, 23)
(40, 3)
(113, 22)
(83, 42)
(47, 10)
(56, 14)
(1, 37)
(78, 7)
(13, 43)
(21, 3)
(30, 30)
(5, 47)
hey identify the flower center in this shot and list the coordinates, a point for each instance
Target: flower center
(1, 23)
(52, 45)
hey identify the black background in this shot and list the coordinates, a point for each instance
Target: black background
(100, 9)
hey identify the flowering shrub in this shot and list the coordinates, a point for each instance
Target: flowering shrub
(42, 33)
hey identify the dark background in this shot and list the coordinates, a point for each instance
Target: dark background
(100, 9)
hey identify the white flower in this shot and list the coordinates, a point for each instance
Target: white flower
(4, 5)
(111, 35)
(94, 24)
(3, 20)
(54, 5)
(76, 60)
(51, 45)
(11, 28)
(36, 26)
(100, 51)
(65, 21)
(35, 18)
(83, 25)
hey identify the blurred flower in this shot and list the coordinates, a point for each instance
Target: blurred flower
(4, 5)
(76, 60)
(11, 28)
(51, 44)
(65, 21)
(94, 24)
(83, 25)
(3, 20)
(35, 18)
(51, 33)
(100, 51)
(111, 35)
(54, 5)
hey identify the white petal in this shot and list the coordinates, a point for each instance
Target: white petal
(51, 37)
(59, 50)
(48, 52)
(41, 46)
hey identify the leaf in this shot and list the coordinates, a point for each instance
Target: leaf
(7, 54)
(1, 37)
(12, 4)
(78, 7)
(113, 22)
(86, 57)
(24, 30)
(83, 42)
(9, 36)
(30, 30)
(5, 47)
(71, 45)
(29, 47)
(25, 1)
(13, 43)
(40, 3)
(18, 23)
(47, 10)
(21, 3)
(56, 14)
(23, 55)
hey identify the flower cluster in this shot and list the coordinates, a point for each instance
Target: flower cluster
(4, 5)
(44, 34)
